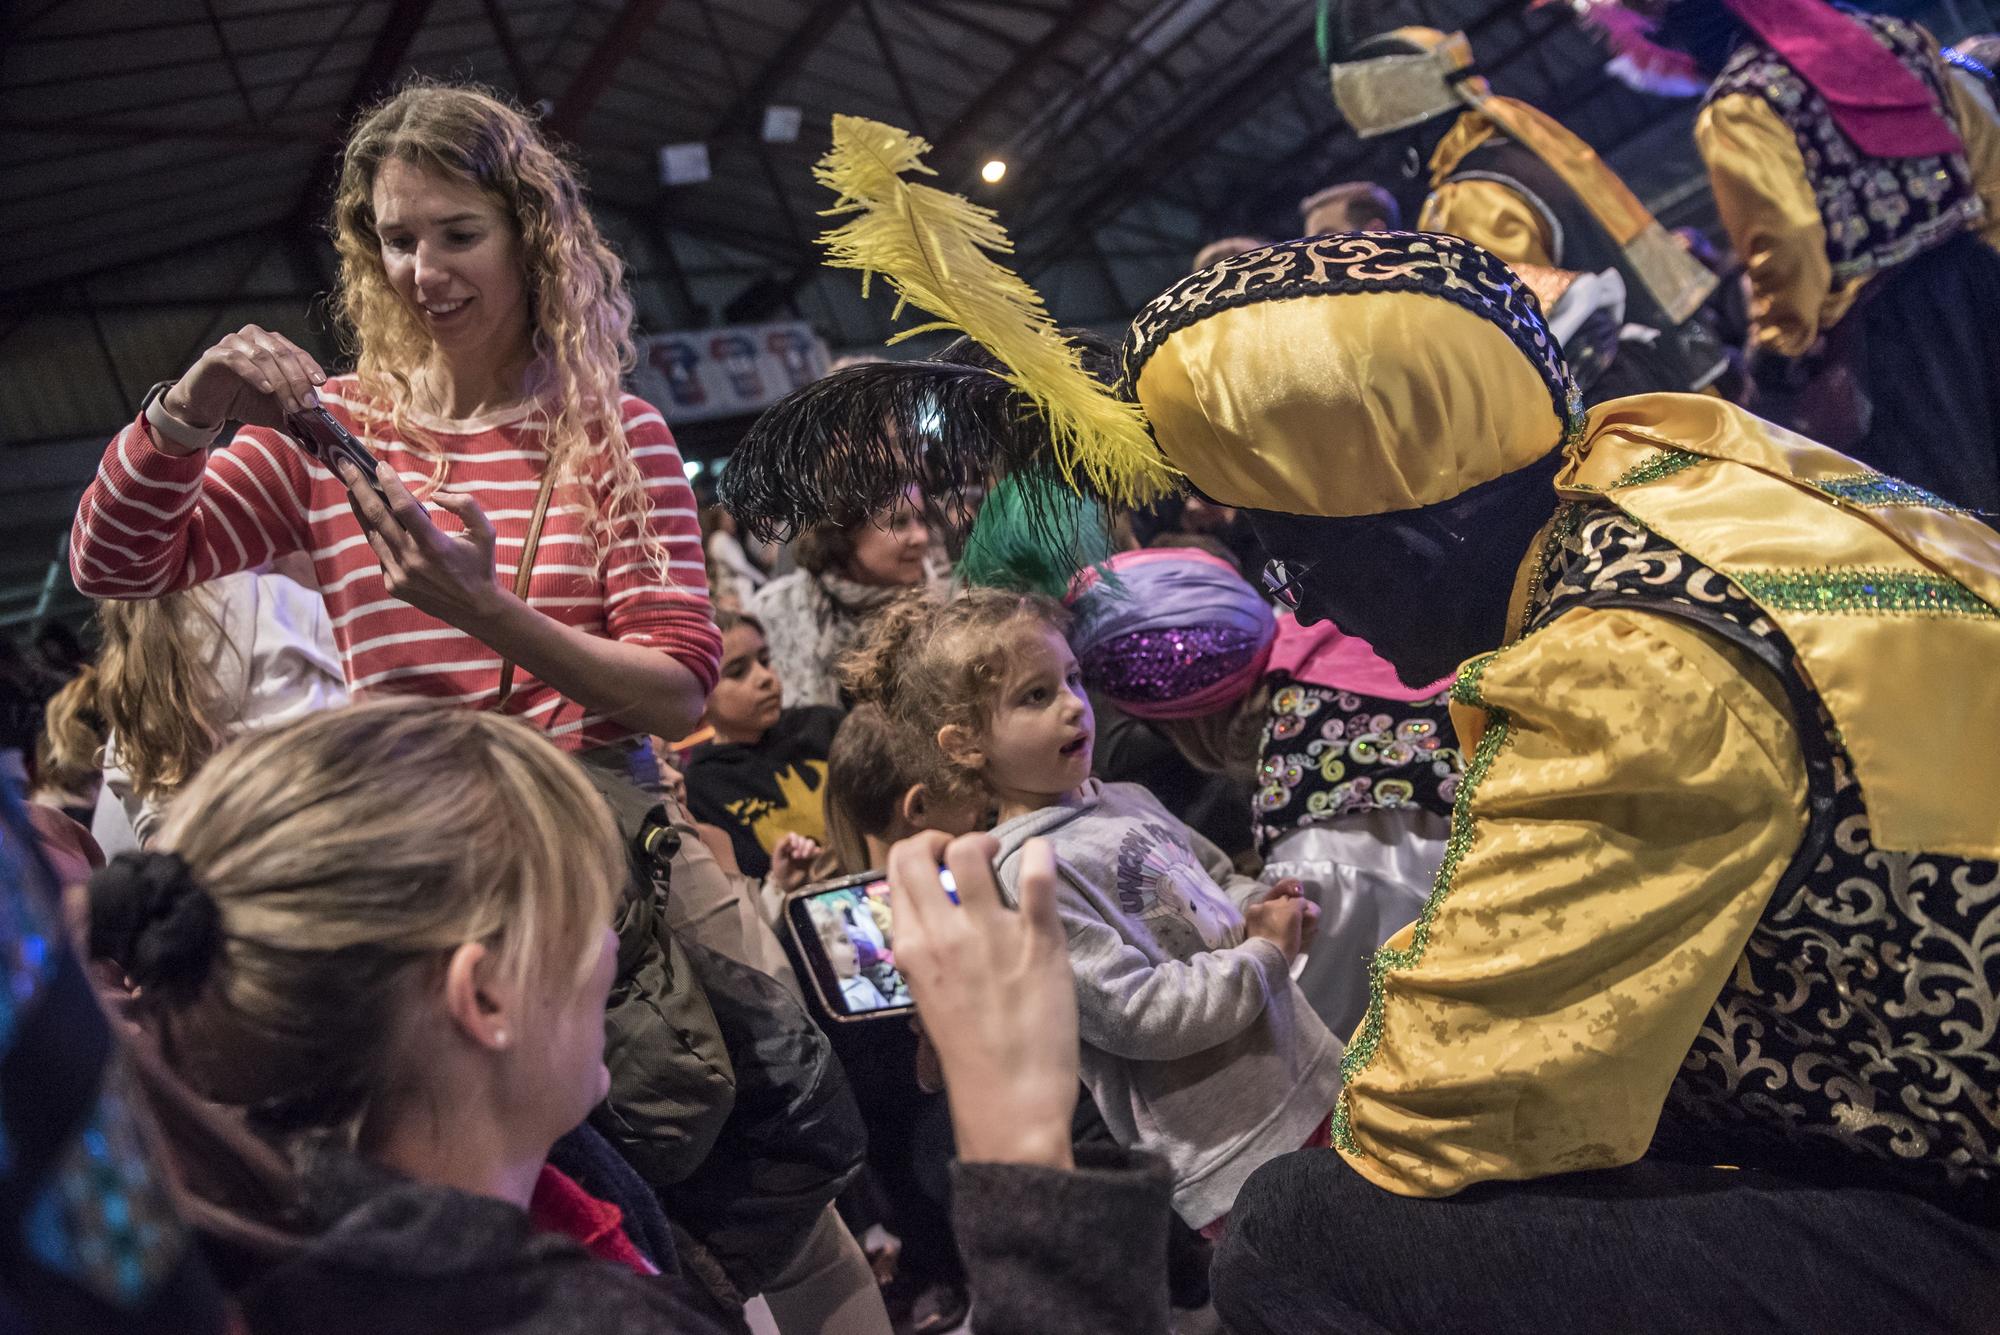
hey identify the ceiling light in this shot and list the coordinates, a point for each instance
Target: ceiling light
(993, 171)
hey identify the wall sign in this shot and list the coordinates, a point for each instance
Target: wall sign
(726, 372)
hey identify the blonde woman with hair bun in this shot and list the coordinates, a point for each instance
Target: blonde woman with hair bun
(413, 1021)
(490, 328)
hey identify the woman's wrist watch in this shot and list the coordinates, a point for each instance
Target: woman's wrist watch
(164, 424)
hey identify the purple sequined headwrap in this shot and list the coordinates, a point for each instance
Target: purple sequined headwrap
(1178, 635)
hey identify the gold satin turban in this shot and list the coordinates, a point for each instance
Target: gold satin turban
(1350, 375)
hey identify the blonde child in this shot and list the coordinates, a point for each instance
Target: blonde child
(1197, 1045)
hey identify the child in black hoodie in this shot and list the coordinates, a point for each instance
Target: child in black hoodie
(763, 776)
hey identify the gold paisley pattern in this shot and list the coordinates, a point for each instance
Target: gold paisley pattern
(1864, 1014)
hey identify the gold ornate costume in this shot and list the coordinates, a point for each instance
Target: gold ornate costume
(1660, 834)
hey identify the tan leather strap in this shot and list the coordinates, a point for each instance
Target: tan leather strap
(526, 571)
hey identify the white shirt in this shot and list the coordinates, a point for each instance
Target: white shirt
(274, 661)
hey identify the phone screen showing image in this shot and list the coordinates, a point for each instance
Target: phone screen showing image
(844, 932)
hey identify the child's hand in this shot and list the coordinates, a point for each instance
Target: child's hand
(1293, 888)
(995, 993)
(1281, 920)
(791, 864)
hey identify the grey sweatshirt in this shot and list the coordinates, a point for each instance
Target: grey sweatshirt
(1197, 1045)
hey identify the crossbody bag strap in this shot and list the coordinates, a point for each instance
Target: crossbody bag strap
(526, 571)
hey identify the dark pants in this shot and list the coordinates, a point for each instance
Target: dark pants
(1924, 344)
(1655, 1247)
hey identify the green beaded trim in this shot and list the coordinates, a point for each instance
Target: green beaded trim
(1464, 691)
(1877, 489)
(1842, 591)
(1654, 467)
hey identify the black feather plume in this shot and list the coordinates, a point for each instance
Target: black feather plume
(845, 447)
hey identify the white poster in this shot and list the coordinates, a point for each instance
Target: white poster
(711, 373)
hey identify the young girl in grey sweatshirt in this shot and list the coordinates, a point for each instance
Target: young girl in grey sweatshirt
(1197, 1045)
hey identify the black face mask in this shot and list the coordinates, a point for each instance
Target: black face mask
(1427, 588)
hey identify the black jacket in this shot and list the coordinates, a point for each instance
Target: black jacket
(397, 1256)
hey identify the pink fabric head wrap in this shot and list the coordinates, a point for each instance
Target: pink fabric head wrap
(1878, 103)
(1177, 634)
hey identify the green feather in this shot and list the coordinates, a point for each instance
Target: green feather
(1034, 535)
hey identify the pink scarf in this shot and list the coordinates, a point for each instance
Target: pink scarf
(1875, 100)
(1321, 655)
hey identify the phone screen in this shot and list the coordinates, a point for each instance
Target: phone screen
(844, 932)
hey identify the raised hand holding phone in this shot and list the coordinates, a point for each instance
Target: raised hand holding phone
(449, 575)
(252, 375)
(994, 990)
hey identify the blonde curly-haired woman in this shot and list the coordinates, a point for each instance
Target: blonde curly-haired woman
(491, 327)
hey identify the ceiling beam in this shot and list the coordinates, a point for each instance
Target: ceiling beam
(620, 40)
(785, 62)
(375, 77)
(138, 132)
(1175, 140)
(510, 51)
(959, 134)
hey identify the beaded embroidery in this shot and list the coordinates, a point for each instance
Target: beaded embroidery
(1858, 591)
(1879, 489)
(1327, 753)
(1369, 1036)
(1877, 212)
(1656, 466)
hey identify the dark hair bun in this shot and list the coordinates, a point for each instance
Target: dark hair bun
(150, 917)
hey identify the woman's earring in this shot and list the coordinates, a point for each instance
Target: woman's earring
(500, 1038)
(1412, 163)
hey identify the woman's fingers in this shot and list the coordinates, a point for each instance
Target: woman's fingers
(385, 551)
(970, 858)
(408, 510)
(291, 368)
(466, 510)
(914, 887)
(392, 545)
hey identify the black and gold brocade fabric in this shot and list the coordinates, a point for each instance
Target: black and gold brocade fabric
(1433, 396)
(1877, 212)
(1860, 1022)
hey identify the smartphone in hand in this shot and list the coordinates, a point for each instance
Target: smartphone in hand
(322, 436)
(842, 935)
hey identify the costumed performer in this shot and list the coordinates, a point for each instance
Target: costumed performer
(1709, 897)
(1860, 182)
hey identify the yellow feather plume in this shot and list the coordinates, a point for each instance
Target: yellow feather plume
(934, 247)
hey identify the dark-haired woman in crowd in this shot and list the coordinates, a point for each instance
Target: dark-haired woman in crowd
(846, 573)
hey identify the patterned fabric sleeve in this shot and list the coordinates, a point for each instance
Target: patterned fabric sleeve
(640, 608)
(1979, 127)
(1488, 214)
(1635, 793)
(1773, 222)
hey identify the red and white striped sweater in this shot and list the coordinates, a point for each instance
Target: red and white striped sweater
(152, 523)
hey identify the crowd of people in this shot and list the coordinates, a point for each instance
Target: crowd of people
(1493, 844)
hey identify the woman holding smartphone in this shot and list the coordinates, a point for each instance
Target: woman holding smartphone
(527, 545)
(491, 328)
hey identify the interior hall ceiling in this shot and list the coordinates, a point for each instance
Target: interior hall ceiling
(165, 167)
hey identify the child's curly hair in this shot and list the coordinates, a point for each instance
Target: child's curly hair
(931, 664)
